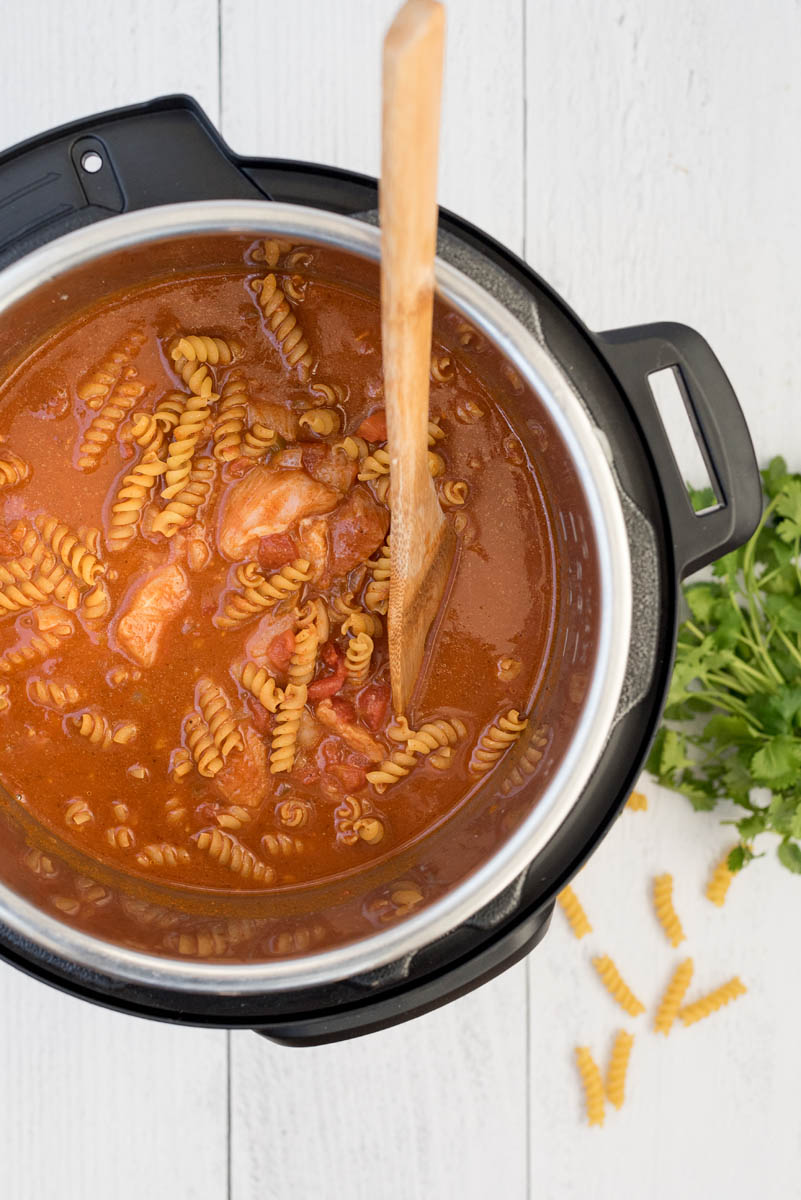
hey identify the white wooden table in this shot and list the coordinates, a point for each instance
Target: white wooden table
(643, 157)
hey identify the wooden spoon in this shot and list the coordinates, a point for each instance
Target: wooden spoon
(423, 542)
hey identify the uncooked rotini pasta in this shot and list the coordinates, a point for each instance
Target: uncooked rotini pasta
(637, 802)
(285, 731)
(358, 654)
(270, 251)
(304, 656)
(363, 622)
(322, 421)
(52, 627)
(184, 507)
(231, 417)
(434, 736)
(97, 603)
(497, 740)
(169, 408)
(51, 694)
(315, 613)
(376, 594)
(163, 854)
(572, 908)
(618, 1067)
(24, 591)
(259, 593)
(99, 731)
(234, 817)
(616, 986)
(455, 492)
(98, 382)
(720, 881)
(257, 440)
(593, 1085)
(229, 852)
(673, 997)
(182, 446)
(326, 393)
(356, 448)
(283, 324)
(281, 845)
(399, 764)
(180, 763)
(260, 683)
(666, 913)
(712, 1001)
(68, 547)
(216, 712)
(104, 426)
(51, 574)
(205, 753)
(200, 348)
(375, 465)
(13, 469)
(146, 430)
(133, 494)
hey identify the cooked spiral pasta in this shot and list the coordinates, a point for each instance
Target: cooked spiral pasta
(53, 627)
(616, 986)
(5, 700)
(217, 714)
(455, 492)
(673, 997)
(229, 852)
(271, 250)
(281, 845)
(434, 736)
(618, 1066)
(182, 446)
(68, 547)
(358, 654)
(637, 802)
(205, 753)
(231, 417)
(468, 412)
(26, 592)
(182, 509)
(169, 408)
(200, 348)
(666, 913)
(713, 1001)
(376, 594)
(285, 732)
(374, 465)
(196, 375)
(304, 656)
(259, 593)
(121, 837)
(398, 765)
(356, 448)
(572, 908)
(175, 812)
(78, 813)
(37, 563)
(322, 421)
(435, 433)
(146, 430)
(593, 1085)
(720, 881)
(355, 821)
(497, 741)
(443, 368)
(13, 469)
(363, 622)
(162, 854)
(295, 287)
(96, 385)
(260, 683)
(257, 440)
(234, 817)
(103, 427)
(382, 489)
(283, 323)
(326, 393)
(180, 763)
(132, 496)
(294, 813)
(51, 694)
(315, 613)
(97, 730)
(436, 464)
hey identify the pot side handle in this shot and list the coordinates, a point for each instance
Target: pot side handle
(720, 429)
(160, 152)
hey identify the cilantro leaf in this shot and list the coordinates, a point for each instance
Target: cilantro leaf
(790, 857)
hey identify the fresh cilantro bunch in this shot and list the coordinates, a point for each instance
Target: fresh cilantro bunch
(733, 715)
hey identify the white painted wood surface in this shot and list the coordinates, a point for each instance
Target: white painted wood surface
(642, 156)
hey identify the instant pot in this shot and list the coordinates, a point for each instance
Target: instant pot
(96, 205)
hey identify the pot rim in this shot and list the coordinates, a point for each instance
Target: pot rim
(552, 385)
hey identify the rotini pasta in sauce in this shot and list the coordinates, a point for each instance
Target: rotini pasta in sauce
(195, 569)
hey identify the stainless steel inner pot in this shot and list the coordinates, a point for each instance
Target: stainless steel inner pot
(585, 446)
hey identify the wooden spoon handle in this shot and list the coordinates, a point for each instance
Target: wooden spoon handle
(412, 74)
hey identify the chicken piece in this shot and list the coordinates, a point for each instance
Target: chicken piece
(274, 416)
(271, 626)
(313, 545)
(328, 465)
(356, 529)
(245, 778)
(352, 734)
(266, 501)
(149, 607)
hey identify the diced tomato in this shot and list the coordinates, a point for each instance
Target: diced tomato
(313, 454)
(352, 777)
(328, 653)
(372, 704)
(281, 649)
(329, 685)
(239, 466)
(374, 427)
(343, 709)
(275, 550)
(262, 720)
